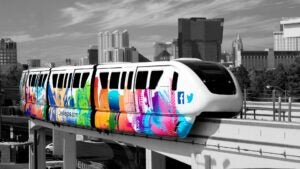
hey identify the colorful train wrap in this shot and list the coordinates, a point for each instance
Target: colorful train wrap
(155, 98)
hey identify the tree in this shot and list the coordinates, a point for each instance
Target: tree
(280, 77)
(257, 84)
(293, 79)
(242, 76)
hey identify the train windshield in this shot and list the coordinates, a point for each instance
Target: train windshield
(216, 78)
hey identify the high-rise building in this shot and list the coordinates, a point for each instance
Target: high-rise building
(8, 51)
(34, 63)
(267, 59)
(288, 38)
(200, 38)
(165, 50)
(83, 61)
(237, 46)
(109, 42)
(125, 39)
(100, 47)
(93, 54)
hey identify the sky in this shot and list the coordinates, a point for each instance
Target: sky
(53, 30)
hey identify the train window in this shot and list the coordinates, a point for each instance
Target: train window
(154, 78)
(129, 81)
(33, 80)
(65, 80)
(141, 80)
(76, 80)
(103, 80)
(84, 78)
(40, 82)
(70, 78)
(29, 80)
(123, 80)
(44, 79)
(54, 80)
(215, 77)
(60, 81)
(37, 79)
(24, 80)
(174, 81)
(114, 80)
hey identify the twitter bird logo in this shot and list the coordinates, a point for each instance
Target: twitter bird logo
(190, 97)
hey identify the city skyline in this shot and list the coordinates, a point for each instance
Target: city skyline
(56, 30)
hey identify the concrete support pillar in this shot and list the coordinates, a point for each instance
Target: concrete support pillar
(69, 151)
(31, 146)
(57, 139)
(40, 152)
(194, 163)
(199, 161)
(37, 156)
(155, 160)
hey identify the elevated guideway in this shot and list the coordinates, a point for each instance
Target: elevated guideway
(212, 143)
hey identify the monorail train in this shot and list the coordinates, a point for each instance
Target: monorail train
(154, 98)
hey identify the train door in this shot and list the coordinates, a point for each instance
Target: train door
(23, 90)
(163, 98)
(41, 102)
(129, 103)
(32, 94)
(41, 88)
(127, 108)
(80, 115)
(106, 96)
(142, 101)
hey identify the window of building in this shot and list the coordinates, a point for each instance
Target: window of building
(60, 81)
(123, 80)
(84, 79)
(129, 81)
(154, 78)
(76, 80)
(114, 80)
(141, 80)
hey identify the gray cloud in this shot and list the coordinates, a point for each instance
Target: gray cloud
(25, 37)
(113, 14)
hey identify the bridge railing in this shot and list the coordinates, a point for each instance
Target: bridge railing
(11, 111)
(275, 110)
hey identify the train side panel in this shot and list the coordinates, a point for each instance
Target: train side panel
(22, 89)
(114, 99)
(70, 97)
(36, 103)
(146, 104)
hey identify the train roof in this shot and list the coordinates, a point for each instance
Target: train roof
(125, 64)
(37, 69)
(73, 67)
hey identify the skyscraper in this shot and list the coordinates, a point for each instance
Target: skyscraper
(237, 46)
(288, 38)
(34, 63)
(200, 38)
(8, 51)
(93, 54)
(112, 45)
(165, 50)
